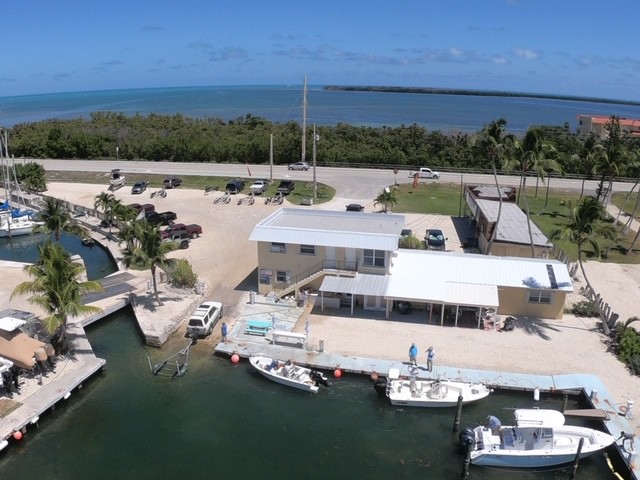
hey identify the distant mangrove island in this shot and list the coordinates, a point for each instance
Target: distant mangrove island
(476, 93)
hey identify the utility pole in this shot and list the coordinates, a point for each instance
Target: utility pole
(315, 184)
(271, 159)
(304, 120)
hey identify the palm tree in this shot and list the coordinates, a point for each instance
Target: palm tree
(495, 143)
(55, 218)
(387, 198)
(586, 225)
(146, 249)
(612, 158)
(56, 288)
(587, 159)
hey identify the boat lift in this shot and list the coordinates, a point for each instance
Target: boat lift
(180, 359)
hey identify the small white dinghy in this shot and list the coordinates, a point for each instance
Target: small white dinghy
(289, 374)
(411, 392)
(539, 438)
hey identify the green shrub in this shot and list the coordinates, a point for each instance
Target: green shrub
(585, 308)
(183, 276)
(411, 242)
(630, 349)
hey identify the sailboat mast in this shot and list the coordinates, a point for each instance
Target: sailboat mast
(304, 120)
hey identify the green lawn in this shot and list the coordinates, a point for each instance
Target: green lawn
(445, 199)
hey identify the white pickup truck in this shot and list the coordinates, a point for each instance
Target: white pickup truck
(425, 172)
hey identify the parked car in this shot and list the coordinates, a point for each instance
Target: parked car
(235, 186)
(286, 187)
(163, 218)
(406, 232)
(435, 239)
(204, 319)
(147, 207)
(355, 207)
(139, 187)
(171, 182)
(193, 230)
(299, 166)
(425, 173)
(259, 187)
(182, 240)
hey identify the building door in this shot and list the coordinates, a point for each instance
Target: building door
(351, 257)
(330, 260)
(373, 303)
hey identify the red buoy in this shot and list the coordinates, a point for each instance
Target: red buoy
(235, 358)
(337, 373)
(17, 435)
(374, 376)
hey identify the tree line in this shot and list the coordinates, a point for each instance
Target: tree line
(248, 139)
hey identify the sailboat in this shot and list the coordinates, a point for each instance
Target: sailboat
(14, 221)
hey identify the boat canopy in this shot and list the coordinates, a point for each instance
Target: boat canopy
(538, 418)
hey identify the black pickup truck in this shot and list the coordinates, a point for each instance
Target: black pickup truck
(160, 218)
(286, 187)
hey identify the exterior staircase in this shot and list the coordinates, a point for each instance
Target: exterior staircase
(326, 267)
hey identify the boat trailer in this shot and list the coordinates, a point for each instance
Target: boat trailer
(180, 359)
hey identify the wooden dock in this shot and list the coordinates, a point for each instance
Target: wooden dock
(591, 413)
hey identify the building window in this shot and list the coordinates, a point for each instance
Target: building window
(282, 277)
(540, 296)
(278, 247)
(373, 258)
(307, 249)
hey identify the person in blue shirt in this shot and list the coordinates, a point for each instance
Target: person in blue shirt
(413, 354)
(224, 332)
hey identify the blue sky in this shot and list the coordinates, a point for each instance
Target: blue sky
(566, 47)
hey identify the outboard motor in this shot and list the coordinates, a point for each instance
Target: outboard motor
(380, 386)
(466, 438)
(319, 379)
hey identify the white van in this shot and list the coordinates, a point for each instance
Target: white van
(204, 318)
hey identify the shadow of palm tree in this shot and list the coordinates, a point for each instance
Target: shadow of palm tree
(535, 326)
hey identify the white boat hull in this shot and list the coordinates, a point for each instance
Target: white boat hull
(293, 376)
(532, 446)
(434, 393)
(16, 228)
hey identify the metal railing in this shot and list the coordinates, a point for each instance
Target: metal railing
(281, 288)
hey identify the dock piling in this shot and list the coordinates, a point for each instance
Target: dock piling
(574, 470)
(456, 420)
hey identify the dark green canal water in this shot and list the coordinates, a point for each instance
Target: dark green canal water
(224, 421)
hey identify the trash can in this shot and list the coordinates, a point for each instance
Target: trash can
(252, 297)
(300, 302)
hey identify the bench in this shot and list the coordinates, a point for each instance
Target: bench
(258, 327)
(256, 331)
(289, 337)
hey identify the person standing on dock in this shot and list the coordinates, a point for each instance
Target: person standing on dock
(413, 354)
(224, 332)
(431, 353)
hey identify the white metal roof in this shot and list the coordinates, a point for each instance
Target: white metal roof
(328, 228)
(441, 277)
(361, 284)
(9, 324)
(513, 223)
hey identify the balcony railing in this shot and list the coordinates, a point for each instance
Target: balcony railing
(282, 288)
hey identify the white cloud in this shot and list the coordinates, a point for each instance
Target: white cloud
(525, 53)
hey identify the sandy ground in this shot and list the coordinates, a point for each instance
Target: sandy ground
(226, 260)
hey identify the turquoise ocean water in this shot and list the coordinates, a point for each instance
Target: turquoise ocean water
(447, 113)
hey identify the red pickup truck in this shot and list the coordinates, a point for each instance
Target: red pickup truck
(193, 230)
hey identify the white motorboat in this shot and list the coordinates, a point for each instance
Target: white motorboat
(539, 439)
(289, 374)
(411, 392)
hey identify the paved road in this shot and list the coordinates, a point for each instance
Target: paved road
(351, 183)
